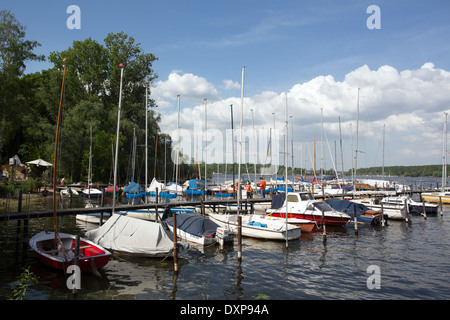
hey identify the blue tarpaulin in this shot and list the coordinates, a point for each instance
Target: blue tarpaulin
(194, 224)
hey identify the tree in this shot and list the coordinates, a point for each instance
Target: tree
(14, 52)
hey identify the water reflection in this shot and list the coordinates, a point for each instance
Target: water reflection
(413, 258)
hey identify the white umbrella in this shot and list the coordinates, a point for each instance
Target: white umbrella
(40, 162)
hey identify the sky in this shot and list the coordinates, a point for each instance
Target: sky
(344, 71)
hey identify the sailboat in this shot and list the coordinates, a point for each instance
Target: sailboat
(58, 250)
(444, 195)
(89, 191)
(129, 235)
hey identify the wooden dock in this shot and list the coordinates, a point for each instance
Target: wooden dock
(108, 209)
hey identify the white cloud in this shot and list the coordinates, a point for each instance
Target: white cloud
(192, 88)
(230, 84)
(409, 103)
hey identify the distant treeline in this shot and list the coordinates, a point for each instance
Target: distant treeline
(400, 171)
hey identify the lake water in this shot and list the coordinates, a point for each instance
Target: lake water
(413, 260)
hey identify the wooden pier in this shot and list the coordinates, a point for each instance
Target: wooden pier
(246, 203)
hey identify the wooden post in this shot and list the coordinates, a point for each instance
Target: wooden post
(76, 258)
(356, 220)
(324, 234)
(382, 215)
(424, 211)
(103, 203)
(440, 205)
(175, 244)
(239, 237)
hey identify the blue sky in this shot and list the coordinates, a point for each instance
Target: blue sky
(319, 52)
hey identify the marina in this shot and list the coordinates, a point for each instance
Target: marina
(413, 257)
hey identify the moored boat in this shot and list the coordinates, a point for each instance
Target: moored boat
(302, 205)
(58, 251)
(135, 237)
(364, 215)
(196, 229)
(257, 226)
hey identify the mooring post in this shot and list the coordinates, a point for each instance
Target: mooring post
(424, 211)
(76, 257)
(324, 234)
(440, 205)
(356, 220)
(239, 237)
(382, 215)
(175, 245)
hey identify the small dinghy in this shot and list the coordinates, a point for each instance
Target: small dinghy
(58, 251)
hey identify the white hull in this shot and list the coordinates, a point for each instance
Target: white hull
(201, 240)
(393, 212)
(273, 230)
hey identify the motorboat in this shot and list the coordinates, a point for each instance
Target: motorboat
(413, 206)
(196, 229)
(302, 205)
(257, 226)
(364, 215)
(394, 212)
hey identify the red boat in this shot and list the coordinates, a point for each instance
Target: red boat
(60, 253)
(302, 205)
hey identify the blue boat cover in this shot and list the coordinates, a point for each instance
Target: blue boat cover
(278, 200)
(347, 207)
(194, 224)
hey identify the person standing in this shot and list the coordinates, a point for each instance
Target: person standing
(262, 187)
(248, 188)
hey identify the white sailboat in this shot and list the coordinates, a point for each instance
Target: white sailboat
(129, 235)
(89, 191)
(444, 195)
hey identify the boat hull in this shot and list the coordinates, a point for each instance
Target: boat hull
(435, 198)
(316, 218)
(274, 230)
(91, 257)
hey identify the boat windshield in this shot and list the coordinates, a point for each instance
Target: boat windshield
(306, 196)
(322, 206)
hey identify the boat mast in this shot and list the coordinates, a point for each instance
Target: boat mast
(240, 140)
(146, 140)
(117, 138)
(206, 143)
(444, 156)
(178, 150)
(232, 144)
(286, 165)
(55, 158)
(356, 147)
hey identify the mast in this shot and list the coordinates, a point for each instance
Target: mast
(356, 146)
(254, 141)
(206, 143)
(146, 140)
(90, 161)
(286, 166)
(444, 156)
(55, 158)
(232, 143)
(240, 139)
(117, 138)
(178, 151)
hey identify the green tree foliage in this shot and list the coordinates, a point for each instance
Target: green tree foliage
(14, 52)
(91, 96)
